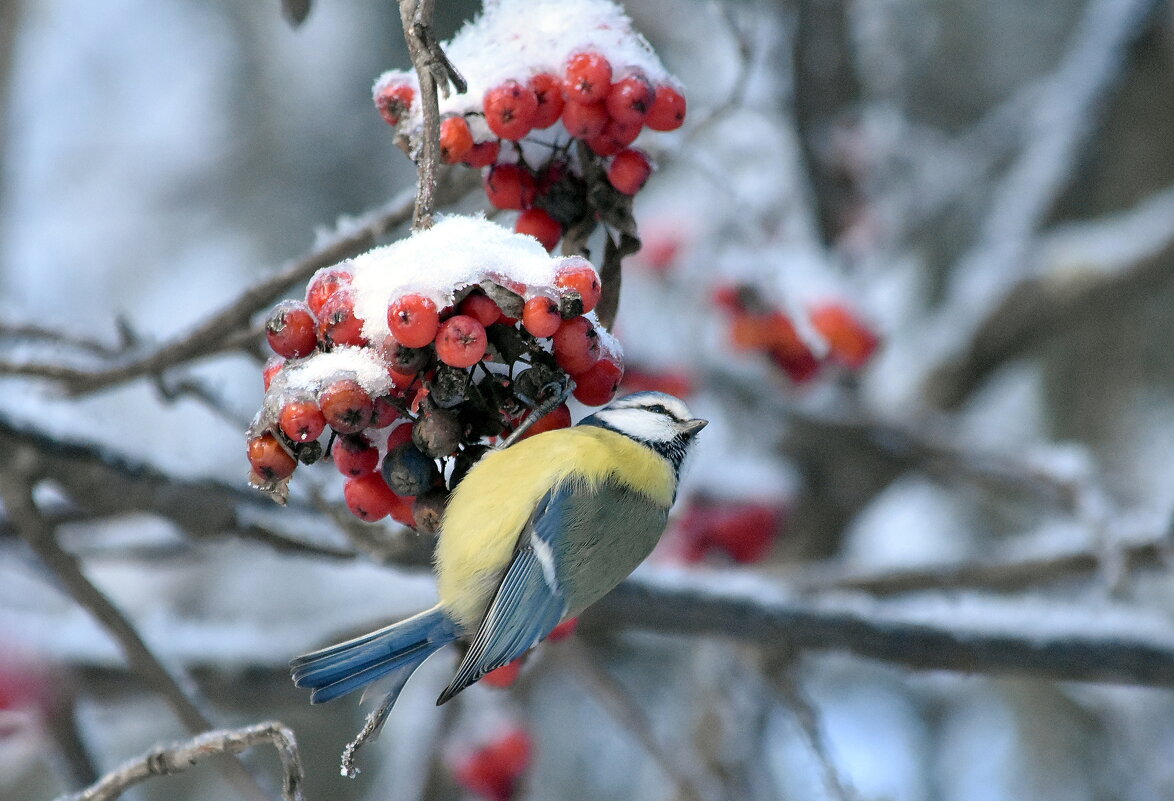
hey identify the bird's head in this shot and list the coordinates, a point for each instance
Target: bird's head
(661, 421)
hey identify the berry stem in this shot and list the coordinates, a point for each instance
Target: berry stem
(435, 72)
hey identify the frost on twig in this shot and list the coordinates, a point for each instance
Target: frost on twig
(176, 758)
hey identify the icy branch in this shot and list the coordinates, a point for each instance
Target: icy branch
(169, 760)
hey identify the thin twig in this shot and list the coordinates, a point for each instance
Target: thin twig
(176, 758)
(627, 712)
(809, 724)
(16, 493)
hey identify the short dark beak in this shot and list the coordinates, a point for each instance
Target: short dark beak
(693, 426)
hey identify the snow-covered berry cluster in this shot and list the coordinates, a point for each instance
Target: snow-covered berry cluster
(557, 94)
(414, 356)
(757, 325)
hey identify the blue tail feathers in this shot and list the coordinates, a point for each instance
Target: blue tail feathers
(395, 651)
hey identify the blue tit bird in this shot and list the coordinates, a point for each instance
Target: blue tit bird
(533, 535)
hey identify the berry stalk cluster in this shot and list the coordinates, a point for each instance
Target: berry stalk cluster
(402, 365)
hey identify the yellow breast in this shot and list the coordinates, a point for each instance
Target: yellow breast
(490, 506)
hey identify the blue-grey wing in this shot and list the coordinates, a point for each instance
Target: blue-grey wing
(577, 546)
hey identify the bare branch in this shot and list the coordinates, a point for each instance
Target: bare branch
(176, 758)
(807, 716)
(971, 634)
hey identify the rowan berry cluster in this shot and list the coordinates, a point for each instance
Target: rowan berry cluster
(553, 129)
(410, 360)
(756, 325)
(739, 531)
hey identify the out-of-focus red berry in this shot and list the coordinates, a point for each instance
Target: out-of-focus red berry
(672, 382)
(540, 316)
(729, 298)
(774, 333)
(269, 459)
(587, 78)
(481, 308)
(585, 120)
(354, 455)
(741, 530)
(290, 330)
(559, 418)
(510, 110)
(347, 406)
(301, 420)
(510, 186)
(614, 138)
(504, 676)
(461, 341)
(668, 110)
(629, 171)
(413, 320)
(540, 225)
(273, 366)
(563, 630)
(578, 274)
(493, 770)
(394, 100)
(598, 384)
(338, 325)
(576, 345)
(323, 284)
(456, 140)
(630, 99)
(548, 91)
(368, 497)
(850, 341)
(483, 154)
(797, 361)
(660, 248)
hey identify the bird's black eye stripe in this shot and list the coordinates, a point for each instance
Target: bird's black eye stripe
(656, 407)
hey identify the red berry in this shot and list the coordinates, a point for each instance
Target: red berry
(347, 406)
(461, 341)
(492, 771)
(510, 186)
(672, 382)
(629, 170)
(290, 330)
(540, 316)
(323, 284)
(368, 497)
(851, 342)
(456, 140)
(403, 511)
(584, 120)
(481, 308)
(504, 676)
(269, 459)
(272, 367)
(540, 225)
(576, 345)
(510, 110)
(578, 274)
(630, 99)
(548, 91)
(483, 154)
(354, 455)
(587, 78)
(301, 421)
(413, 320)
(598, 385)
(559, 418)
(338, 324)
(615, 137)
(394, 99)
(400, 435)
(563, 630)
(668, 109)
(385, 412)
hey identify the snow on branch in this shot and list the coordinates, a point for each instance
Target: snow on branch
(966, 633)
(176, 758)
